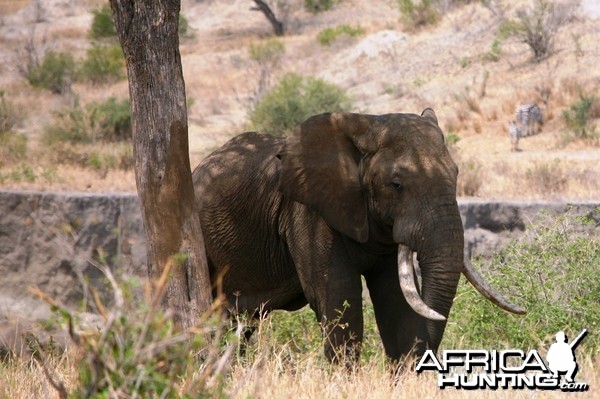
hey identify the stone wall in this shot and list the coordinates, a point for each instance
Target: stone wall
(52, 240)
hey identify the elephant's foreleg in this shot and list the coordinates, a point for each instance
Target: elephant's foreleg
(342, 318)
(396, 320)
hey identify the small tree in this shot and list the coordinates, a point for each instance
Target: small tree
(277, 25)
(537, 27)
(267, 55)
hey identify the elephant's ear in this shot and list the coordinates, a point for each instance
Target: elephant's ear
(430, 115)
(320, 168)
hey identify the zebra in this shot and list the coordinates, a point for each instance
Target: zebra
(515, 133)
(529, 118)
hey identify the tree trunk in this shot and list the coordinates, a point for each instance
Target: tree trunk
(148, 33)
(266, 10)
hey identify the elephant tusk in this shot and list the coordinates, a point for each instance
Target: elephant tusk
(487, 291)
(407, 284)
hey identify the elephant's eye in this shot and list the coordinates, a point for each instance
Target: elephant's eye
(397, 184)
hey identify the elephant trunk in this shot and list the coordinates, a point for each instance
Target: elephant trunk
(442, 261)
(439, 245)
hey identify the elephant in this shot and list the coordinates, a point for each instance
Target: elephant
(297, 220)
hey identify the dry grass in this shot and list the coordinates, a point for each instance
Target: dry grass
(274, 375)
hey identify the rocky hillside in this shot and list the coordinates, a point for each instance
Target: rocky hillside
(461, 66)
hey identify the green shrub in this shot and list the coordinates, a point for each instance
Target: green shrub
(95, 136)
(103, 64)
(55, 73)
(495, 52)
(108, 120)
(103, 25)
(266, 53)
(579, 115)
(111, 119)
(553, 272)
(185, 31)
(327, 36)
(452, 139)
(69, 125)
(293, 100)
(418, 13)
(316, 6)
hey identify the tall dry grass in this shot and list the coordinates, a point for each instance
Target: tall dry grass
(274, 375)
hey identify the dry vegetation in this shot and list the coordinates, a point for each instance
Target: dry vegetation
(461, 66)
(272, 376)
(458, 66)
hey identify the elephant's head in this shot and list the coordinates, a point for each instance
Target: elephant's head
(388, 181)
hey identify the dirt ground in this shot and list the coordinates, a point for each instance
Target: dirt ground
(390, 68)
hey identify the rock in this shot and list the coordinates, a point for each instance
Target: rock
(54, 241)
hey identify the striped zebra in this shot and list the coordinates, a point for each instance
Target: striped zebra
(515, 133)
(529, 118)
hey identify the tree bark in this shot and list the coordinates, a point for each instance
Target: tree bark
(148, 33)
(266, 10)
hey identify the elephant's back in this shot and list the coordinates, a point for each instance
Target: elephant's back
(237, 165)
(239, 203)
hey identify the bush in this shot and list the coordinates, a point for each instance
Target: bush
(75, 128)
(537, 27)
(327, 36)
(419, 13)
(295, 99)
(554, 273)
(69, 125)
(55, 73)
(185, 31)
(111, 119)
(136, 351)
(578, 116)
(316, 6)
(108, 120)
(495, 51)
(103, 64)
(103, 25)
(266, 53)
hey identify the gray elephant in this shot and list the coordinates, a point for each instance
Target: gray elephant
(297, 220)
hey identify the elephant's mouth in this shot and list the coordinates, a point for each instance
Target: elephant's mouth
(409, 289)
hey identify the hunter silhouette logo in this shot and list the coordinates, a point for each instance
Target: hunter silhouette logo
(508, 369)
(561, 355)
